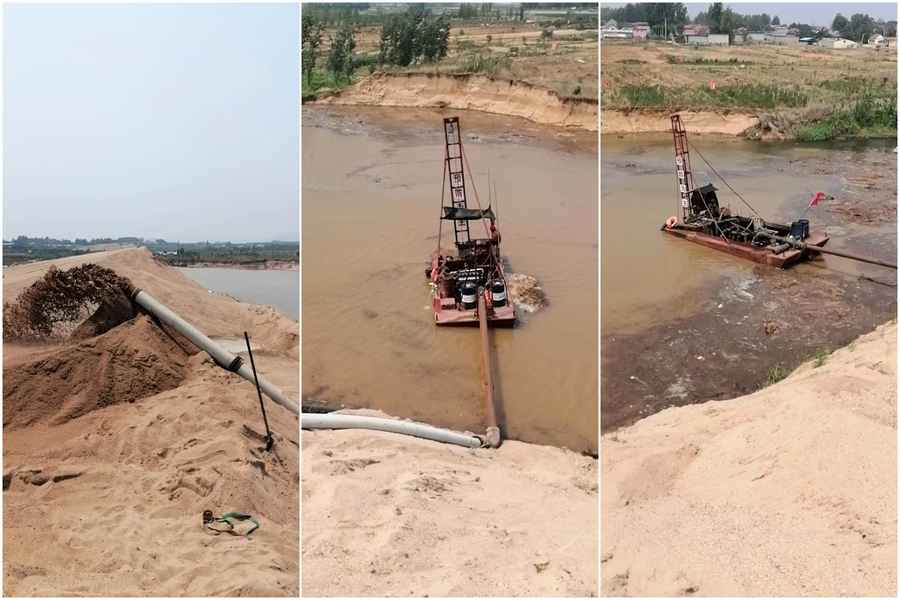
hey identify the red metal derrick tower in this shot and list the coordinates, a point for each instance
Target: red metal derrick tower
(682, 165)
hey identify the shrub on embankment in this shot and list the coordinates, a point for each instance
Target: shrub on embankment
(868, 116)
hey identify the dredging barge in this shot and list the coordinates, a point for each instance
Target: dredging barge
(704, 222)
(468, 279)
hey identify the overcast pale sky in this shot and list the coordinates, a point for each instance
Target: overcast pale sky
(811, 13)
(172, 121)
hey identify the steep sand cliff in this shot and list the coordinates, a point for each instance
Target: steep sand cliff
(697, 122)
(471, 92)
(791, 491)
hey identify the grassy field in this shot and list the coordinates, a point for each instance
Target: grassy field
(822, 93)
(566, 63)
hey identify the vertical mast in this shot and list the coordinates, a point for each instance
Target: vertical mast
(682, 165)
(453, 156)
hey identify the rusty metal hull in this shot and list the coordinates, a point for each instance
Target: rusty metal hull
(765, 256)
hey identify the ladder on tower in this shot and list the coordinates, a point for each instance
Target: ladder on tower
(454, 159)
(682, 165)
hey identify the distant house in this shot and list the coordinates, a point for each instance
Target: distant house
(695, 30)
(783, 40)
(891, 42)
(611, 31)
(837, 43)
(756, 37)
(640, 30)
(712, 39)
(877, 41)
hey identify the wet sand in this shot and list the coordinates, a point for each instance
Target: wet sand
(683, 324)
(371, 189)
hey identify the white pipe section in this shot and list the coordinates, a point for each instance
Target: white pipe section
(224, 358)
(421, 430)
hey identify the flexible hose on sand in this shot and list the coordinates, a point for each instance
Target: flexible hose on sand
(421, 430)
(223, 357)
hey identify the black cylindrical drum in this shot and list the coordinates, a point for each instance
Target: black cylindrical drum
(498, 293)
(469, 292)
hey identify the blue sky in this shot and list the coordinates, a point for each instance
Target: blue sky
(172, 121)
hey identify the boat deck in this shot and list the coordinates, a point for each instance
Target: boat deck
(449, 314)
(764, 255)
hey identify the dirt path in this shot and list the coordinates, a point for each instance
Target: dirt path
(104, 486)
(791, 491)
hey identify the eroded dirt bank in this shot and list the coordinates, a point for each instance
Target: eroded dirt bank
(471, 92)
(116, 443)
(697, 122)
(391, 515)
(790, 491)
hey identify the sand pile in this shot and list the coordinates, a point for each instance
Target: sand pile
(114, 445)
(62, 297)
(392, 515)
(791, 491)
(130, 362)
(214, 314)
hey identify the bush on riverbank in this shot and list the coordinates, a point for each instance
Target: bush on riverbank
(868, 116)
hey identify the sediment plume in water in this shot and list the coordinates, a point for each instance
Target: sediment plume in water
(525, 292)
(52, 306)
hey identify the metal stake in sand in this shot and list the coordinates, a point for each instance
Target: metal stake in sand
(262, 407)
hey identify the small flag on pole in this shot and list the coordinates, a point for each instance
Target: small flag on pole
(818, 197)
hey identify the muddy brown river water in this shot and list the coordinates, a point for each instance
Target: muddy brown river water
(683, 324)
(371, 197)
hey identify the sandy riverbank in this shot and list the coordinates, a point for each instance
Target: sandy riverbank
(790, 491)
(387, 515)
(470, 92)
(268, 265)
(104, 486)
(697, 122)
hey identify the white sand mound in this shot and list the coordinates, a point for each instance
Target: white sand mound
(790, 491)
(391, 515)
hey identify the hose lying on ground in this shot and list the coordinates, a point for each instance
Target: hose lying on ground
(421, 430)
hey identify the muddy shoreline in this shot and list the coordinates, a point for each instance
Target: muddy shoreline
(746, 334)
(269, 265)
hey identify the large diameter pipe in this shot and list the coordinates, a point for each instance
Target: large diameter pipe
(421, 430)
(865, 259)
(220, 355)
(492, 435)
(804, 246)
